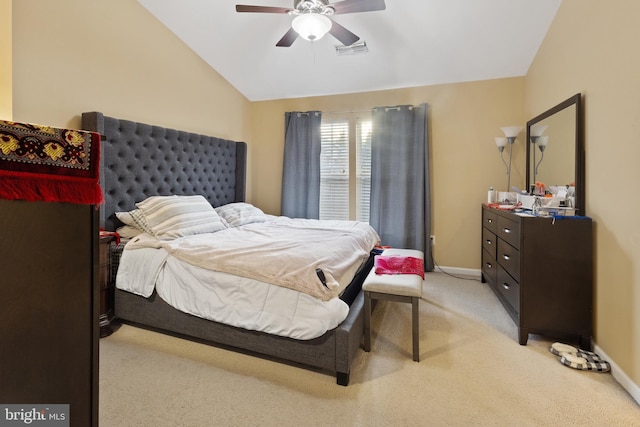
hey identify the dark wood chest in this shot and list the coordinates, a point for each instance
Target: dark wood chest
(541, 269)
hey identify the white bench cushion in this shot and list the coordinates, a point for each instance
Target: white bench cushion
(409, 285)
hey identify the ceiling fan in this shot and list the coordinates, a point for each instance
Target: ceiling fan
(312, 18)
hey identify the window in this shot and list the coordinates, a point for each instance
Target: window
(345, 167)
(363, 171)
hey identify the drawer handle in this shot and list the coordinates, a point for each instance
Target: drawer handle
(505, 256)
(489, 242)
(489, 265)
(506, 230)
(505, 286)
(489, 221)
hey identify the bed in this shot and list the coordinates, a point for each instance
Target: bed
(140, 161)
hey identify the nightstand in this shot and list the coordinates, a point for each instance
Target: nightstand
(106, 286)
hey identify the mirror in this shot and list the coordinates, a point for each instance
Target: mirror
(555, 149)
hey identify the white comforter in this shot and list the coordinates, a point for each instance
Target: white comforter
(242, 300)
(284, 251)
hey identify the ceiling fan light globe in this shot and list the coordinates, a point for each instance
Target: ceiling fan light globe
(311, 26)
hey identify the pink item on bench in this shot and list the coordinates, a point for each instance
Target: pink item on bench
(399, 265)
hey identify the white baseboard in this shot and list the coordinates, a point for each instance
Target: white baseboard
(471, 273)
(632, 388)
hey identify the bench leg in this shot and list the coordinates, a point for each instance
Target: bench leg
(415, 328)
(367, 321)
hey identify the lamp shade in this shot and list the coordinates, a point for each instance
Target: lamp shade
(501, 141)
(311, 26)
(537, 130)
(511, 131)
(542, 142)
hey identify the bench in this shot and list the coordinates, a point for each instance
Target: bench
(394, 287)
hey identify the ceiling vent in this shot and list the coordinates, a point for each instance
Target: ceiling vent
(354, 49)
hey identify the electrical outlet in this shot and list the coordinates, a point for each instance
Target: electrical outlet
(433, 239)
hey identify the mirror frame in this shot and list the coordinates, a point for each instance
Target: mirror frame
(576, 100)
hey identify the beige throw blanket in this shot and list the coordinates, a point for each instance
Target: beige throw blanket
(284, 252)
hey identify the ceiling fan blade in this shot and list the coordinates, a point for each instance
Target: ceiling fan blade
(288, 38)
(261, 9)
(345, 36)
(354, 6)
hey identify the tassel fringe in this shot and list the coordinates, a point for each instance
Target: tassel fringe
(50, 190)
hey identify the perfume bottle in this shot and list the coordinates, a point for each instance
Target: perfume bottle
(491, 196)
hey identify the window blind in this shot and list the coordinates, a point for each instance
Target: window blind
(363, 169)
(334, 170)
(345, 191)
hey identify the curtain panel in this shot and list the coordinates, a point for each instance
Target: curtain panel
(400, 188)
(301, 166)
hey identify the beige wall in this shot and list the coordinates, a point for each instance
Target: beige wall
(463, 121)
(6, 89)
(592, 48)
(115, 57)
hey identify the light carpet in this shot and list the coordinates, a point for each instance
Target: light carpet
(472, 372)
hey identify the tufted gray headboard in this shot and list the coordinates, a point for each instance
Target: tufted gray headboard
(140, 160)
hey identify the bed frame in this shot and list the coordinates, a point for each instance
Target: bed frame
(140, 160)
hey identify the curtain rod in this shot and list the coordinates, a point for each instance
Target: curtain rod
(347, 111)
(306, 113)
(303, 113)
(397, 108)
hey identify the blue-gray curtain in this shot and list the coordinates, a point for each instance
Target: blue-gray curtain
(400, 189)
(301, 166)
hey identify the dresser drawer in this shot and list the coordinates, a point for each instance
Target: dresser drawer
(509, 258)
(489, 266)
(489, 242)
(509, 231)
(489, 219)
(509, 288)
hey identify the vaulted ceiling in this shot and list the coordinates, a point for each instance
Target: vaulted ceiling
(410, 43)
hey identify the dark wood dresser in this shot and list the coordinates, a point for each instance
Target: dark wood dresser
(49, 306)
(541, 269)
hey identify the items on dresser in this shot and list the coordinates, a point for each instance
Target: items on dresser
(540, 268)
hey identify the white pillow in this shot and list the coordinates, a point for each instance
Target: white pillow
(179, 216)
(136, 219)
(237, 214)
(128, 232)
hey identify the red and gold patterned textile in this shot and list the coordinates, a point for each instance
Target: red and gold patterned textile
(43, 163)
